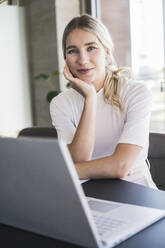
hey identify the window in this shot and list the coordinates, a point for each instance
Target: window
(137, 30)
(147, 53)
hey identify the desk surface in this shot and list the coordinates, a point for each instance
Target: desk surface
(115, 190)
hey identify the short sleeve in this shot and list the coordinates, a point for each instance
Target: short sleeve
(137, 119)
(62, 119)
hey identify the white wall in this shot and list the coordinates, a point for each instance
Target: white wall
(15, 107)
(65, 11)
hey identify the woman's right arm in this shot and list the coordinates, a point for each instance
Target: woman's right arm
(82, 145)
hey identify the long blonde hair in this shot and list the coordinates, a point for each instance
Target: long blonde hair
(114, 76)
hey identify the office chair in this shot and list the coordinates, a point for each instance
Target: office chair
(156, 157)
(38, 131)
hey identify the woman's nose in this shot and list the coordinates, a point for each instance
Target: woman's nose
(83, 58)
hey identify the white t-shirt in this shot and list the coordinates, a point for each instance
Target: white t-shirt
(112, 128)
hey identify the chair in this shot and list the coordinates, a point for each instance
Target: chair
(38, 131)
(156, 157)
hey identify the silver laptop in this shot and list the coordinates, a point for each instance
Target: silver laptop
(40, 192)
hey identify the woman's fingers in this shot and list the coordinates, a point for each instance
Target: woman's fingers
(69, 76)
(82, 87)
(67, 73)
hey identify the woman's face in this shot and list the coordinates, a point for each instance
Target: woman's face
(86, 57)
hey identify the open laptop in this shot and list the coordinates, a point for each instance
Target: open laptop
(40, 192)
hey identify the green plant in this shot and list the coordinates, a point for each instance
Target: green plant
(49, 79)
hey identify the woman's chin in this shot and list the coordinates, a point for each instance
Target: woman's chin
(87, 79)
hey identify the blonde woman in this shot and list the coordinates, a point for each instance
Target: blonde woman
(104, 116)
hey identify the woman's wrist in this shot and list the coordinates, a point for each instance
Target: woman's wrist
(91, 98)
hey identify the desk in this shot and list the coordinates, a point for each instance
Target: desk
(115, 190)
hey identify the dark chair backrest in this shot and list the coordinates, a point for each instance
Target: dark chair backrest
(38, 131)
(156, 157)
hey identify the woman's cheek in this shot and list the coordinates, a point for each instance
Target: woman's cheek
(69, 62)
(71, 67)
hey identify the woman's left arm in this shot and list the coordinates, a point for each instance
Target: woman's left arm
(114, 166)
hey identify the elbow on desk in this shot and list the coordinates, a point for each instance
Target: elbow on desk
(122, 175)
(122, 169)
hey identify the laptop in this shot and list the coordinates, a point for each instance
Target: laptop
(40, 192)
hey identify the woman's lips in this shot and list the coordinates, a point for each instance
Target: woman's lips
(84, 71)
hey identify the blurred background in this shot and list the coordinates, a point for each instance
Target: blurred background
(31, 61)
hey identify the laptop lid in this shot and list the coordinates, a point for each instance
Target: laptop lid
(40, 191)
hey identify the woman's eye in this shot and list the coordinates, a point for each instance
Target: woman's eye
(72, 51)
(91, 48)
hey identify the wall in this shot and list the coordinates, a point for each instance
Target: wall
(65, 11)
(46, 21)
(115, 15)
(15, 104)
(42, 47)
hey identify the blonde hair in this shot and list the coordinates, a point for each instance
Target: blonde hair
(114, 76)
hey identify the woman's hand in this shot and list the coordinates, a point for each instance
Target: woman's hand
(82, 87)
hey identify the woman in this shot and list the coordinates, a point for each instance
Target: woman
(103, 117)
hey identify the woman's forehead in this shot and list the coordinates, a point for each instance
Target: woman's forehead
(80, 36)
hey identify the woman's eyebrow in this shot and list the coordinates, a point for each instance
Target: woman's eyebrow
(69, 47)
(91, 43)
(86, 44)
